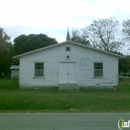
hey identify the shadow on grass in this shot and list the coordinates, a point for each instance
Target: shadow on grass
(9, 84)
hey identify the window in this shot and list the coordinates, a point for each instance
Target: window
(98, 69)
(67, 48)
(39, 69)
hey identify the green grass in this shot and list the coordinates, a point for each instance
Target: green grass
(14, 100)
(8, 84)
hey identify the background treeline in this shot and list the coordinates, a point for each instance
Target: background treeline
(22, 44)
(106, 34)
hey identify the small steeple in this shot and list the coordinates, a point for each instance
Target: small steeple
(68, 35)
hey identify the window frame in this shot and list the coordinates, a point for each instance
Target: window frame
(36, 76)
(101, 70)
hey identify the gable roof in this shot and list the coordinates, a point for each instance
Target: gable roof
(74, 43)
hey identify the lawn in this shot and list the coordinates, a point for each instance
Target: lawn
(14, 100)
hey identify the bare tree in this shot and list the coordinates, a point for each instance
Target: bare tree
(101, 34)
(76, 36)
(126, 29)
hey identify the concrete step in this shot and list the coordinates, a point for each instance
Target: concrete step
(68, 87)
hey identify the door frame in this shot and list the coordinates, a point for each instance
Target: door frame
(69, 62)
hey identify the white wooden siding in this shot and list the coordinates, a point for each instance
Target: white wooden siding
(52, 57)
(14, 73)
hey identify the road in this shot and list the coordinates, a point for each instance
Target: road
(61, 121)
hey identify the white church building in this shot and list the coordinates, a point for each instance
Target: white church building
(68, 66)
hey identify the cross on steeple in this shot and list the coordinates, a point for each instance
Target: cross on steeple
(68, 35)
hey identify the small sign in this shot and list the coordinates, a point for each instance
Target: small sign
(84, 62)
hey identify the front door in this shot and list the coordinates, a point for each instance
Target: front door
(67, 73)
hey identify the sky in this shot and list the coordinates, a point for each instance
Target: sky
(53, 17)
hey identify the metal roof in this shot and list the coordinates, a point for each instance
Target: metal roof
(14, 67)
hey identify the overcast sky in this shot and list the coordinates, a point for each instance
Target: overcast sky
(53, 17)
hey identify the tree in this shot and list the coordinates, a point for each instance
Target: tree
(124, 64)
(5, 52)
(25, 43)
(78, 37)
(126, 33)
(101, 34)
(126, 29)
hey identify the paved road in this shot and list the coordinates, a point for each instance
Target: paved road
(61, 121)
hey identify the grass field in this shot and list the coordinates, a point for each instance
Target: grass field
(14, 100)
